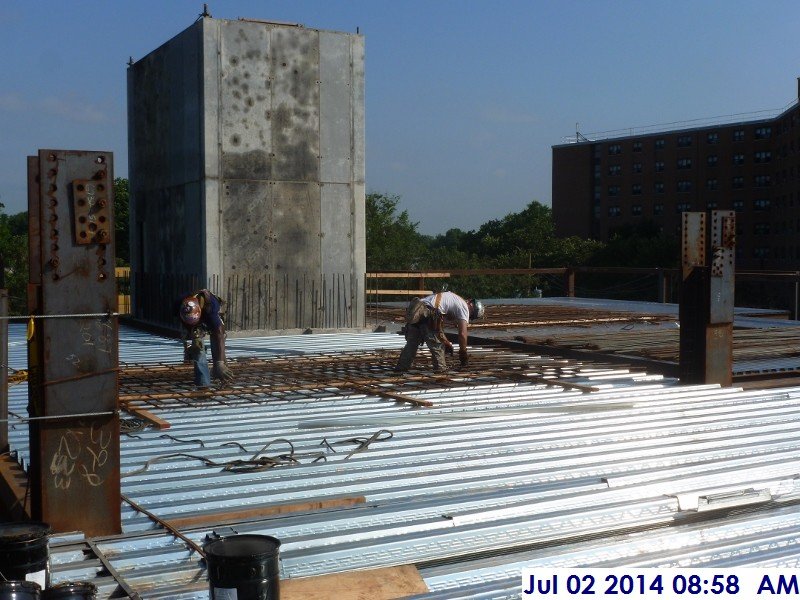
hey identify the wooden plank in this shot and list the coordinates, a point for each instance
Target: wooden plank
(15, 502)
(405, 274)
(375, 390)
(400, 292)
(148, 416)
(375, 584)
(265, 511)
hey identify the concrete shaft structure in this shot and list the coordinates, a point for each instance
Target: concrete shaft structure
(246, 146)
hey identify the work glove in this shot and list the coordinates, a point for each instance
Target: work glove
(462, 357)
(448, 349)
(222, 372)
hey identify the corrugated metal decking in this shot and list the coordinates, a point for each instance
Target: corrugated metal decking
(496, 475)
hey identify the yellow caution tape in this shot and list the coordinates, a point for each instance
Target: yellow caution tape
(18, 377)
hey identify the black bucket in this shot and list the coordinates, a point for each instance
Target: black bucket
(245, 563)
(24, 553)
(19, 590)
(71, 591)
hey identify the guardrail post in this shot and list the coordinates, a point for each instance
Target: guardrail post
(663, 283)
(569, 282)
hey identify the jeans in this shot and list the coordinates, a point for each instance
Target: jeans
(202, 376)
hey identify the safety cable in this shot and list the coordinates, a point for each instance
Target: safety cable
(66, 316)
(57, 417)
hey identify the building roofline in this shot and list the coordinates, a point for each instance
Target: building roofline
(689, 126)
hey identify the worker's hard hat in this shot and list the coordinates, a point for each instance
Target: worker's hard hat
(478, 310)
(190, 310)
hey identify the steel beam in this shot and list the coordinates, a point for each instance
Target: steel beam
(73, 353)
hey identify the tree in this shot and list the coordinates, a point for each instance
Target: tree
(642, 245)
(14, 259)
(393, 242)
(121, 225)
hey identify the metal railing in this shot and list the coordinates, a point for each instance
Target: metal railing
(265, 302)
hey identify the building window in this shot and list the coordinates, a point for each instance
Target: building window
(763, 157)
(761, 252)
(614, 169)
(712, 138)
(636, 210)
(712, 160)
(613, 190)
(761, 228)
(637, 146)
(711, 184)
(738, 135)
(738, 205)
(636, 189)
(684, 186)
(738, 182)
(738, 159)
(658, 209)
(660, 143)
(615, 149)
(762, 180)
(763, 133)
(761, 204)
(614, 211)
(684, 163)
(684, 141)
(659, 187)
(683, 207)
(637, 167)
(659, 166)
(711, 205)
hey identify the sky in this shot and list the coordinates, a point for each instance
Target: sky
(464, 99)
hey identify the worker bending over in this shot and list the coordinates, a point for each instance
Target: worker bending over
(424, 321)
(200, 313)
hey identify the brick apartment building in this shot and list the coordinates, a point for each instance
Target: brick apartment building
(752, 167)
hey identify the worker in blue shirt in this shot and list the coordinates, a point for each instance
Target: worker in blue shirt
(200, 313)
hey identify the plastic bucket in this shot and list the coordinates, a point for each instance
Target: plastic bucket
(244, 567)
(19, 590)
(23, 552)
(71, 591)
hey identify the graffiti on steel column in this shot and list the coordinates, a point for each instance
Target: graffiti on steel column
(102, 337)
(80, 457)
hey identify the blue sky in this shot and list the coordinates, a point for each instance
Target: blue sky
(464, 99)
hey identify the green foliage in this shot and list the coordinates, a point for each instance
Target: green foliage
(643, 245)
(393, 242)
(14, 259)
(524, 239)
(121, 215)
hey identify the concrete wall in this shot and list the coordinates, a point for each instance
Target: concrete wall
(271, 183)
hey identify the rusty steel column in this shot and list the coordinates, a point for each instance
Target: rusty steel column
(72, 348)
(693, 304)
(4, 373)
(719, 333)
(707, 298)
